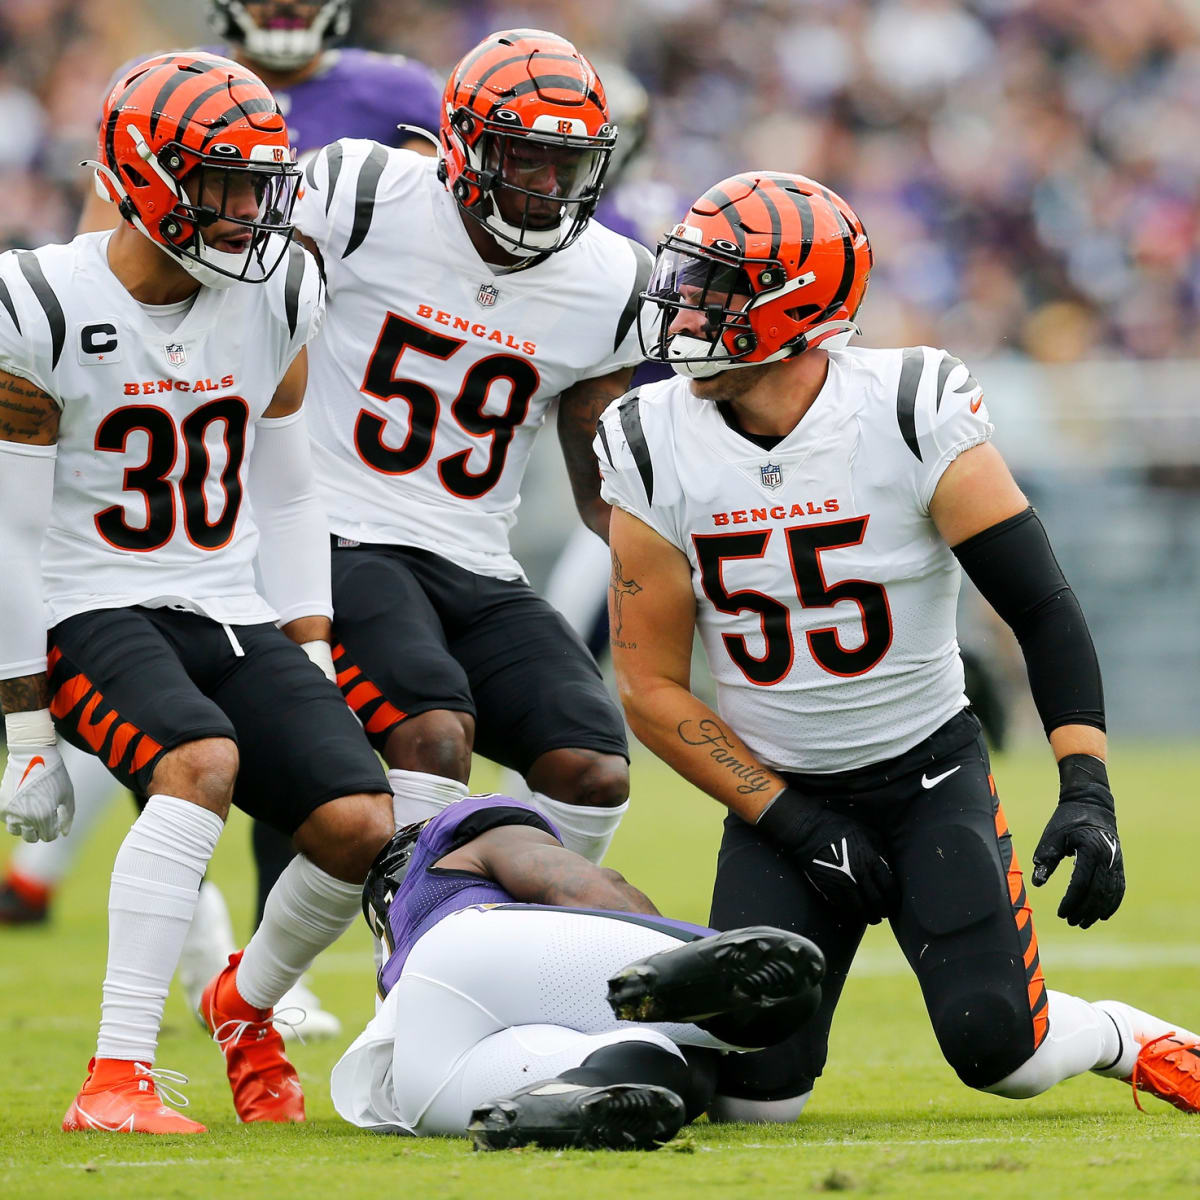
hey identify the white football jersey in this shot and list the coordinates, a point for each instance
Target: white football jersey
(825, 595)
(156, 428)
(433, 373)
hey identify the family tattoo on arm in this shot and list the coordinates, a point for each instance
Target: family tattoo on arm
(752, 778)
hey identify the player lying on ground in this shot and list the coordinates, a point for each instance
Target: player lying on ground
(807, 506)
(501, 945)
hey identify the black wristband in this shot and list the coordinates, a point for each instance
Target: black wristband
(788, 819)
(1086, 773)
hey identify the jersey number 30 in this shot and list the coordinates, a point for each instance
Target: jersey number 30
(399, 335)
(152, 477)
(805, 544)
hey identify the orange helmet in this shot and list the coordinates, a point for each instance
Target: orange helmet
(177, 134)
(773, 264)
(525, 124)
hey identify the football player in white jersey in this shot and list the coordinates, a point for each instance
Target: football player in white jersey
(465, 295)
(807, 507)
(151, 383)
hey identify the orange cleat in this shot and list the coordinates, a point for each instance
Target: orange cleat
(265, 1085)
(123, 1097)
(1168, 1067)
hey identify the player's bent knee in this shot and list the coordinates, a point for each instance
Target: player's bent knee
(203, 771)
(343, 836)
(436, 743)
(985, 1036)
(585, 777)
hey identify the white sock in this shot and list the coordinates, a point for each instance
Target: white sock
(48, 863)
(306, 911)
(1134, 1027)
(757, 1112)
(208, 944)
(587, 831)
(1080, 1038)
(417, 796)
(151, 901)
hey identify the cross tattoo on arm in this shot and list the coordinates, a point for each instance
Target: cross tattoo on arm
(620, 588)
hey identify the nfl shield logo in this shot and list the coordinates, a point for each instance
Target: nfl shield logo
(176, 354)
(486, 296)
(772, 475)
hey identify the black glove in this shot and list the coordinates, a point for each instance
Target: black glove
(1084, 824)
(834, 851)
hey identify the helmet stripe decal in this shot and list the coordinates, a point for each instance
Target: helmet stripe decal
(32, 270)
(196, 104)
(291, 287)
(644, 264)
(364, 197)
(764, 194)
(630, 412)
(7, 300)
(847, 280)
(803, 206)
(718, 198)
(256, 104)
(906, 397)
(560, 82)
(168, 89)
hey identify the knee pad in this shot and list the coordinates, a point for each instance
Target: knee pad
(955, 880)
(985, 1035)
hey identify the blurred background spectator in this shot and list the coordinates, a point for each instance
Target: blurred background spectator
(1029, 172)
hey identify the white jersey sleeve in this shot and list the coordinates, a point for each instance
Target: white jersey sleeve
(32, 325)
(300, 302)
(336, 201)
(940, 411)
(627, 349)
(627, 476)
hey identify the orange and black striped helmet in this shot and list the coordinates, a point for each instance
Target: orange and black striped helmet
(183, 138)
(526, 139)
(763, 267)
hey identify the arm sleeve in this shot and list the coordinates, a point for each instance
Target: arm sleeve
(293, 552)
(1015, 570)
(26, 493)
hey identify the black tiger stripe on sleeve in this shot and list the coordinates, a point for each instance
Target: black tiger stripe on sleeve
(365, 192)
(644, 264)
(945, 367)
(602, 433)
(291, 289)
(630, 412)
(32, 270)
(333, 161)
(7, 300)
(906, 397)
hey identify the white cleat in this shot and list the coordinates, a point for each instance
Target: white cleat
(302, 1016)
(207, 947)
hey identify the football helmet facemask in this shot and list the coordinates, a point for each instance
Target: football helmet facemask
(763, 267)
(526, 140)
(284, 37)
(192, 141)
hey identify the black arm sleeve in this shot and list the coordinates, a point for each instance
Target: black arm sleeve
(1015, 570)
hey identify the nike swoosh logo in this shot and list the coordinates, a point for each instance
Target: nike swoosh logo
(36, 761)
(125, 1126)
(928, 783)
(272, 1092)
(1111, 843)
(976, 403)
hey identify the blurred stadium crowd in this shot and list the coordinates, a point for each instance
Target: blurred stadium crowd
(1028, 171)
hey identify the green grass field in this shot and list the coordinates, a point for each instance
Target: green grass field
(888, 1118)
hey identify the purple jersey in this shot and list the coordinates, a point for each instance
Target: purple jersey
(428, 894)
(353, 93)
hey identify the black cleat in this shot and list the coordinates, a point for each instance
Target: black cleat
(756, 968)
(558, 1115)
(15, 909)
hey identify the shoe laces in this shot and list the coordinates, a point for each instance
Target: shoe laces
(229, 1032)
(1145, 1055)
(163, 1078)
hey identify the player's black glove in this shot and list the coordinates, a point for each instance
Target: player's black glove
(1084, 824)
(835, 852)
